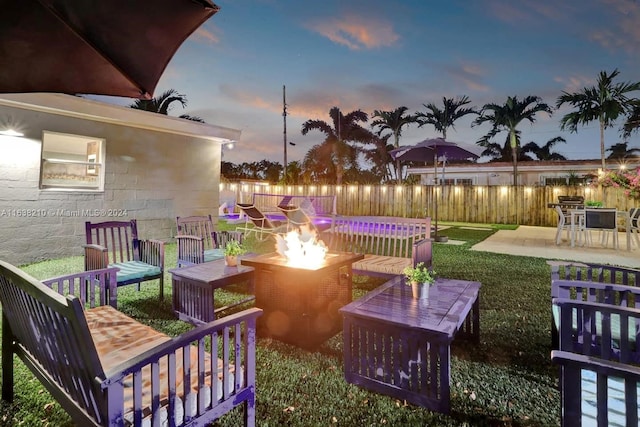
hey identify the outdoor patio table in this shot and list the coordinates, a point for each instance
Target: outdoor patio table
(400, 346)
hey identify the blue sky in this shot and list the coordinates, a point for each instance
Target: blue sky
(385, 54)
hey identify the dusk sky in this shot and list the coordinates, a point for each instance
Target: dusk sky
(385, 54)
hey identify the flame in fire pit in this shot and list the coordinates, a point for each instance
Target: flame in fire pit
(301, 248)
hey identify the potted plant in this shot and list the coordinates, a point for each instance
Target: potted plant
(232, 250)
(420, 278)
(593, 204)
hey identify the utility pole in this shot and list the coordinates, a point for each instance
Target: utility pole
(284, 119)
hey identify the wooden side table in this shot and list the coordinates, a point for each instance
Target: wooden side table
(401, 346)
(194, 288)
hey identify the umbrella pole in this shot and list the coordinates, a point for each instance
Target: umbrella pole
(437, 238)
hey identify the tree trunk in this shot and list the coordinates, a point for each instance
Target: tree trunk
(604, 165)
(398, 165)
(514, 156)
(338, 160)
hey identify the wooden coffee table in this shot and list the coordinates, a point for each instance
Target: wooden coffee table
(194, 288)
(400, 346)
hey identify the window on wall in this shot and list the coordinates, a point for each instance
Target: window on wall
(457, 181)
(562, 180)
(72, 162)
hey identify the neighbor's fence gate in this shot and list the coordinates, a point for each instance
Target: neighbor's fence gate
(478, 204)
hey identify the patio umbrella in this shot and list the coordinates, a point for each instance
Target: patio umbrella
(433, 149)
(111, 47)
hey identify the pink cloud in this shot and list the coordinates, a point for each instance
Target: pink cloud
(249, 99)
(627, 31)
(202, 34)
(356, 32)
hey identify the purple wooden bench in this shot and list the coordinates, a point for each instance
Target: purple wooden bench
(116, 244)
(568, 270)
(106, 369)
(598, 353)
(389, 244)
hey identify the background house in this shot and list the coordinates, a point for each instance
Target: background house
(81, 160)
(533, 173)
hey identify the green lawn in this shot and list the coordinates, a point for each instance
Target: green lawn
(506, 380)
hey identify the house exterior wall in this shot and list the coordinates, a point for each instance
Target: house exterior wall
(150, 175)
(529, 173)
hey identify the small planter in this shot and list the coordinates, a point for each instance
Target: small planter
(420, 290)
(231, 260)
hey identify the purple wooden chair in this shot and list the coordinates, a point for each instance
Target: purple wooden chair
(107, 369)
(196, 241)
(116, 244)
(599, 357)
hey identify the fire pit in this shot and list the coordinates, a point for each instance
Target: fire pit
(300, 303)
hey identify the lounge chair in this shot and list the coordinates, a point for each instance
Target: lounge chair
(296, 217)
(263, 227)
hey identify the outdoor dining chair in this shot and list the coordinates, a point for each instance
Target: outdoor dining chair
(603, 220)
(563, 224)
(634, 224)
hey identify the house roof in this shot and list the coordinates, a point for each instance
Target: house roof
(77, 107)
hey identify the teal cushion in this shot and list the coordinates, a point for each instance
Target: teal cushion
(615, 401)
(615, 324)
(213, 254)
(131, 270)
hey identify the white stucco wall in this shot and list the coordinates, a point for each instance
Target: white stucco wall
(156, 168)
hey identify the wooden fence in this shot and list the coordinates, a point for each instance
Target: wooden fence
(476, 204)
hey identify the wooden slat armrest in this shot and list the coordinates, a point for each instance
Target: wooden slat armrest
(96, 257)
(603, 366)
(190, 249)
(117, 373)
(422, 252)
(189, 237)
(568, 270)
(152, 252)
(207, 383)
(93, 287)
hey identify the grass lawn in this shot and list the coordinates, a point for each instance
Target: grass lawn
(505, 380)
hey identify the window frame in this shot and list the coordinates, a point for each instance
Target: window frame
(82, 154)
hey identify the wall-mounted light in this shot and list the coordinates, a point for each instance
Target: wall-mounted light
(11, 132)
(228, 144)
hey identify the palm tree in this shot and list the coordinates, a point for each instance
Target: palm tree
(162, 104)
(633, 121)
(380, 158)
(443, 119)
(604, 102)
(544, 152)
(621, 150)
(394, 121)
(345, 129)
(507, 117)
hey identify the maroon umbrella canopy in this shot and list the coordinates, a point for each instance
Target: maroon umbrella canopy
(100, 47)
(427, 150)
